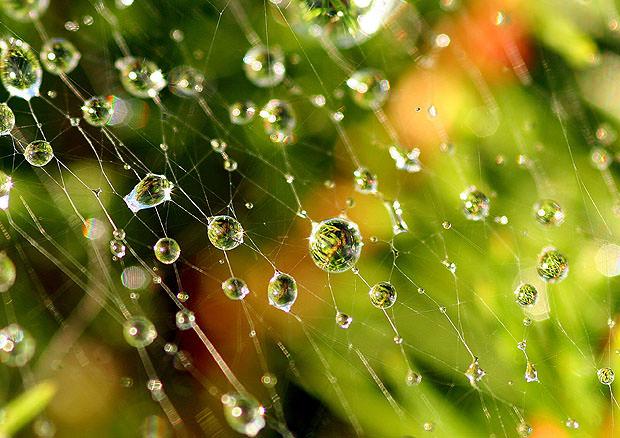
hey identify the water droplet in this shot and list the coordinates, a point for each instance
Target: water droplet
(571, 423)
(185, 319)
(183, 296)
(269, 380)
(167, 250)
(186, 81)
(20, 70)
(382, 295)
(278, 120)
(369, 88)
(335, 244)
(526, 294)
(17, 346)
(59, 55)
(117, 248)
(225, 232)
(98, 110)
(242, 113)
(7, 119)
(531, 375)
(263, 66)
(429, 426)
(38, 153)
(282, 291)
(406, 160)
(396, 216)
(230, 165)
(235, 288)
(413, 378)
(601, 158)
(524, 430)
(140, 77)
(552, 265)
(475, 204)
(548, 212)
(25, 10)
(6, 184)
(139, 332)
(243, 413)
(151, 191)
(474, 373)
(606, 376)
(343, 320)
(365, 181)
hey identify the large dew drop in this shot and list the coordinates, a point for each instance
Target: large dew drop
(552, 265)
(151, 191)
(98, 110)
(7, 272)
(263, 66)
(475, 204)
(139, 332)
(167, 250)
(548, 212)
(186, 81)
(140, 77)
(6, 184)
(38, 153)
(335, 244)
(365, 181)
(235, 288)
(243, 413)
(369, 88)
(382, 295)
(526, 295)
(7, 119)
(279, 120)
(20, 70)
(606, 376)
(225, 232)
(282, 291)
(59, 56)
(242, 113)
(16, 346)
(24, 10)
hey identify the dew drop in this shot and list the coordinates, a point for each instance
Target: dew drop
(369, 88)
(7, 119)
(343, 320)
(278, 120)
(243, 413)
(225, 232)
(263, 66)
(151, 191)
(17, 346)
(235, 288)
(406, 160)
(38, 153)
(475, 204)
(335, 244)
(20, 70)
(242, 113)
(167, 250)
(185, 319)
(139, 332)
(98, 110)
(396, 216)
(382, 295)
(186, 81)
(282, 291)
(59, 56)
(140, 77)
(552, 265)
(548, 212)
(526, 295)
